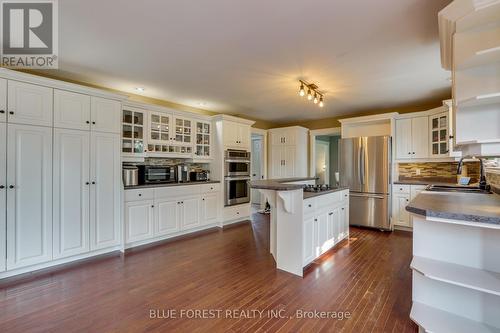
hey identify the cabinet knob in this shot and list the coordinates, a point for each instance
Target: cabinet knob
(93, 123)
(11, 112)
(93, 183)
(140, 194)
(237, 213)
(2, 111)
(409, 153)
(342, 208)
(2, 187)
(11, 186)
(309, 206)
(87, 183)
(203, 199)
(413, 153)
(451, 136)
(182, 202)
(407, 200)
(152, 206)
(315, 220)
(88, 122)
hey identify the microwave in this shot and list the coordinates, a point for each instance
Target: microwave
(236, 163)
(156, 174)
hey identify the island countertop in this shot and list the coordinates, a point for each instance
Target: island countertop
(470, 207)
(282, 184)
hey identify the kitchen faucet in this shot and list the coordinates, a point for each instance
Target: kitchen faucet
(482, 179)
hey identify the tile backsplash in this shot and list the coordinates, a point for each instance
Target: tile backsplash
(493, 178)
(447, 171)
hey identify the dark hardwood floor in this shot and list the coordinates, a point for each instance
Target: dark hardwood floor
(230, 269)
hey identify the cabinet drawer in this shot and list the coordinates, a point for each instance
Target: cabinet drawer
(401, 189)
(139, 194)
(176, 191)
(344, 195)
(309, 206)
(210, 188)
(328, 200)
(236, 212)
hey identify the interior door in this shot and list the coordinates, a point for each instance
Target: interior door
(3, 195)
(29, 197)
(322, 161)
(105, 115)
(71, 110)
(256, 167)
(105, 185)
(3, 100)
(29, 104)
(71, 192)
(349, 152)
(375, 167)
(420, 137)
(167, 221)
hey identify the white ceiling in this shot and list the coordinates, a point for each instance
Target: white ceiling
(245, 57)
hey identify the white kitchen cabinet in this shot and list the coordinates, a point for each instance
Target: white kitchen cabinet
(439, 135)
(236, 135)
(190, 213)
(3, 100)
(139, 220)
(334, 225)
(287, 148)
(71, 110)
(3, 196)
(399, 214)
(169, 135)
(203, 139)
(322, 240)
(166, 215)
(71, 206)
(133, 131)
(344, 222)
(29, 104)
(29, 195)
(209, 208)
(309, 244)
(105, 175)
(105, 115)
(412, 138)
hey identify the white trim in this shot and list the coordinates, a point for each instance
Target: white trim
(159, 108)
(288, 127)
(426, 113)
(232, 118)
(373, 118)
(57, 84)
(312, 145)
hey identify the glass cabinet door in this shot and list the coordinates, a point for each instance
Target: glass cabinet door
(203, 132)
(439, 134)
(183, 131)
(159, 125)
(132, 132)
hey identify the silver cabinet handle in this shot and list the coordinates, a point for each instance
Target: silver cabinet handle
(367, 196)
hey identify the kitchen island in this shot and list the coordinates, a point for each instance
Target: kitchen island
(303, 225)
(456, 265)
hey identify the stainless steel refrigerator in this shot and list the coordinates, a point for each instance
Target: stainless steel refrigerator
(365, 168)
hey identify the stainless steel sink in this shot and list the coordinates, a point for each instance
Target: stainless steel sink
(456, 188)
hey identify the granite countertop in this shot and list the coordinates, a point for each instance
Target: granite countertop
(470, 207)
(308, 195)
(281, 184)
(170, 184)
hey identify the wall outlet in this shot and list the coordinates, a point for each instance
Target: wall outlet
(417, 171)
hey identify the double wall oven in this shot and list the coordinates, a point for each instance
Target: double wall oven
(236, 177)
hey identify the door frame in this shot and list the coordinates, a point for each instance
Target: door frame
(263, 133)
(327, 170)
(312, 145)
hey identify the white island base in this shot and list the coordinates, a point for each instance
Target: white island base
(304, 229)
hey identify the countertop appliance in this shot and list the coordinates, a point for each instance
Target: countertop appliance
(317, 188)
(365, 168)
(130, 174)
(236, 163)
(155, 174)
(182, 173)
(199, 175)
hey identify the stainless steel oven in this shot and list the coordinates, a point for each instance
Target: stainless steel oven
(236, 163)
(236, 190)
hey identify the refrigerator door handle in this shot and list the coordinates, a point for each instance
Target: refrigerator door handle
(362, 165)
(367, 196)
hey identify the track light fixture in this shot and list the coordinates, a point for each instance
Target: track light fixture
(312, 93)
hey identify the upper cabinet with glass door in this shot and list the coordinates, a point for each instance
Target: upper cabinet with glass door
(203, 139)
(439, 134)
(169, 135)
(133, 132)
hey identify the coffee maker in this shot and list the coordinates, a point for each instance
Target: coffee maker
(182, 173)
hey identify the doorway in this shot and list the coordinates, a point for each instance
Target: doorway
(258, 170)
(325, 156)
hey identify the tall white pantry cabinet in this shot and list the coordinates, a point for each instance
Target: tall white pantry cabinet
(59, 173)
(287, 148)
